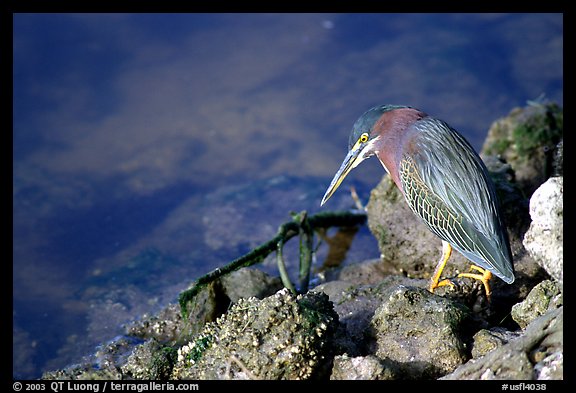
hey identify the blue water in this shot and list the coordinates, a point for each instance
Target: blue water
(149, 149)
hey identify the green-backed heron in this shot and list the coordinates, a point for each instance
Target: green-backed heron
(444, 182)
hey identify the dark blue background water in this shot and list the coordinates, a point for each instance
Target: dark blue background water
(149, 149)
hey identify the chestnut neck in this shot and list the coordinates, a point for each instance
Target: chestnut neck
(395, 129)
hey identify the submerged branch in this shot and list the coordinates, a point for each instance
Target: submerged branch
(300, 223)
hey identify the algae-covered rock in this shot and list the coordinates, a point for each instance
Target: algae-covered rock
(545, 296)
(150, 360)
(356, 304)
(487, 340)
(395, 329)
(536, 354)
(527, 139)
(280, 337)
(420, 332)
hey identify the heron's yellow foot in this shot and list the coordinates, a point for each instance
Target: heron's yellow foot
(442, 283)
(484, 276)
(446, 252)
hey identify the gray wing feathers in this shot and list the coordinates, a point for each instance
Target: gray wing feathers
(458, 190)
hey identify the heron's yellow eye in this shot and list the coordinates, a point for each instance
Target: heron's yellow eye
(364, 138)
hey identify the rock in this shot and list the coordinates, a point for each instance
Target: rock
(280, 337)
(149, 361)
(545, 296)
(527, 139)
(551, 367)
(361, 368)
(545, 237)
(486, 340)
(536, 354)
(513, 202)
(165, 326)
(419, 331)
(249, 282)
(356, 305)
(394, 329)
(558, 160)
(371, 271)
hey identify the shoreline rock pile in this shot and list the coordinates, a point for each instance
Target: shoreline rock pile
(375, 319)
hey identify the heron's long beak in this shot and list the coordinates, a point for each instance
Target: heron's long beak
(353, 158)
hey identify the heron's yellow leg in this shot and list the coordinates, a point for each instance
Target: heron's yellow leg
(446, 252)
(484, 276)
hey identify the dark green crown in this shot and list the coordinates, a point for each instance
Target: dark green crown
(367, 121)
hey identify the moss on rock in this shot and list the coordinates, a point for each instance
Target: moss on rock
(280, 337)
